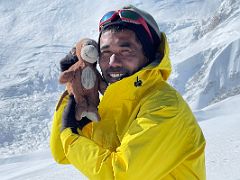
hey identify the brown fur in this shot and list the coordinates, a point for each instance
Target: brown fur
(87, 100)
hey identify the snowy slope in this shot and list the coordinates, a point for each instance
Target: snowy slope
(213, 58)
(220, 124)
(36, 34)
(37, 166)
(212, 75)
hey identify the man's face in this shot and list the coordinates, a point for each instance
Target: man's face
(121, 55)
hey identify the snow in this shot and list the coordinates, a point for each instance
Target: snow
(204, 39)
(37, 165)
(220, 123)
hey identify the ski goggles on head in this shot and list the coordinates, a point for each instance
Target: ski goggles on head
(125, 16)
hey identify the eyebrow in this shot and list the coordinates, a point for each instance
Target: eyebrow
(125, 44)
(122, 44)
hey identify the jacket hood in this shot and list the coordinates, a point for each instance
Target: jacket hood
(147, 17)
(162, 61)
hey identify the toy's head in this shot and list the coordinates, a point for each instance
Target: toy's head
(87, 50)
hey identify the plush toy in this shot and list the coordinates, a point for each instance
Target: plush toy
(84, 81)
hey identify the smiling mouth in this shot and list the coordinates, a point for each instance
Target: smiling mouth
(116, 75)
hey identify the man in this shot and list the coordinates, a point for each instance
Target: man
(146, 130)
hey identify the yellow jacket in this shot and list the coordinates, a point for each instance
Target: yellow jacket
(145, 132)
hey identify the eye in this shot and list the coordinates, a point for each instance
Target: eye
(126, 52)
(105, 54)
(89, 42)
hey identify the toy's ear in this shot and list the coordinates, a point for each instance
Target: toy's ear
(89, 53)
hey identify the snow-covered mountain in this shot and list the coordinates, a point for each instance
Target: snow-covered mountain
(204, 37)
(211, 57)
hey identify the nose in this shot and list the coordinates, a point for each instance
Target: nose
(114, 61)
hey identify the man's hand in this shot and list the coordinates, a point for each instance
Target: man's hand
(68, 118)
(68, 60)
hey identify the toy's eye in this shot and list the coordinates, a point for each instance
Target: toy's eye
(88, 43)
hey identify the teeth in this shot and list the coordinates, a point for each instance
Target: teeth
(116, 75)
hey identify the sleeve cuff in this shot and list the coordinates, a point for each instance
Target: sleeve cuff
(83, 122)
(68, 137)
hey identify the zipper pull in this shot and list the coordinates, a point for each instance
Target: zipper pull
(138, 82)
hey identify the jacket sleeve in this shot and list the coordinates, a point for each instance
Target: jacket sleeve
(55, 140)
(157, 137)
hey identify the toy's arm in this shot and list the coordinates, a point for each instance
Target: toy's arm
(69, 74)
(66, 76)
